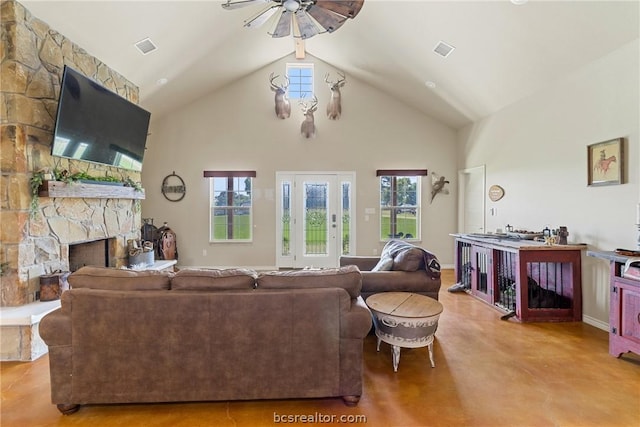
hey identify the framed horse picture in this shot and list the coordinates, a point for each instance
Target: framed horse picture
(605, 162)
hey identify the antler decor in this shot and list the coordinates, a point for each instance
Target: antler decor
(283, 107)
(334, 107)
(308, 127)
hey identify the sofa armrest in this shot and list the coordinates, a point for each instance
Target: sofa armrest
(356, 323)
(55, 328)
(364, 263)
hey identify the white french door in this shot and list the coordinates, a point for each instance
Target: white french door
(314, 218)
(471, 216)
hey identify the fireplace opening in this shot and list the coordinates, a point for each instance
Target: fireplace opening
(96, 253)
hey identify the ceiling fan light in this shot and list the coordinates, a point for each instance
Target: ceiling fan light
(291, 5)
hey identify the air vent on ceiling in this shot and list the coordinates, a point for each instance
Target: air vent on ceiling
(146, 46)
(443, 49)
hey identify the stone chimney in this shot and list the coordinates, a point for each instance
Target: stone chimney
(34, 242)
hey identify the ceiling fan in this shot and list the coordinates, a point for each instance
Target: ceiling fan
(305, 17)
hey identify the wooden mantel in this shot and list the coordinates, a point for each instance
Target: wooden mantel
(88, 191)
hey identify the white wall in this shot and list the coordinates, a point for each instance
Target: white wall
(236, 129)
(536, 150)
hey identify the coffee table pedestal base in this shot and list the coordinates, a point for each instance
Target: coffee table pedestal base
(395, 352)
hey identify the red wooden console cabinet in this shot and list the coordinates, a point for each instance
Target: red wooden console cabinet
(624, 309)
(526, 279)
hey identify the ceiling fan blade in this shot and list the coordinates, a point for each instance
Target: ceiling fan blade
(305, 25)
(330, 21)
(237, 4)
(345, 8)
(283, 27)
(261, 17)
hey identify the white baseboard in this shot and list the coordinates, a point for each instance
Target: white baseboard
(595, 322)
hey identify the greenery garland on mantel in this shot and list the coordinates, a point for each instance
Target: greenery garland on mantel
(39, 177)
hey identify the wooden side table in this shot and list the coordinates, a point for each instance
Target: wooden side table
(405, 319)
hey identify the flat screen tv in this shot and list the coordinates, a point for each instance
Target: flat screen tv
(97, 125)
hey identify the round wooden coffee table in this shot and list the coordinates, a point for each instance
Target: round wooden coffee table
(405, 319)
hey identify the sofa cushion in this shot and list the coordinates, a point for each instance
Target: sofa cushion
(119, 279)
(347, 278)
(202, 279)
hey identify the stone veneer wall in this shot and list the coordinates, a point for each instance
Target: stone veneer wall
(32, 60)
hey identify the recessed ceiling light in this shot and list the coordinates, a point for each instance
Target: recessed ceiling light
(430, 84)
(519, 2)
(163, 81)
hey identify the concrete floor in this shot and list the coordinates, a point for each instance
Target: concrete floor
(488, 372)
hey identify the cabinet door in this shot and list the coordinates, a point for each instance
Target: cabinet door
(482, 273)
(624, 319)
(630, 316)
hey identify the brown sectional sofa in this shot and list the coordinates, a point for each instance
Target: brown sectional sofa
(203, 335)
(401, 267)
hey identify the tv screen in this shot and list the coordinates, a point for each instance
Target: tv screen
(97, 125)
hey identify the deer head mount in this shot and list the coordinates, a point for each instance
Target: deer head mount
(308, 127)
(334, 107)
(283, 107)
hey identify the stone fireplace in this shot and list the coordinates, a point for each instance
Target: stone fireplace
(37, 239)
(96, 253)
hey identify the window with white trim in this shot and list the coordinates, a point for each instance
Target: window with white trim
(400, 204)
(230, 202)
(300, 81)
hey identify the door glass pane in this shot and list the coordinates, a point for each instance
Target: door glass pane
(315, 218)
(346, 217)
(286, 218)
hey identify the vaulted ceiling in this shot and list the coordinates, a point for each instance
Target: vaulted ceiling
(503, 51)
